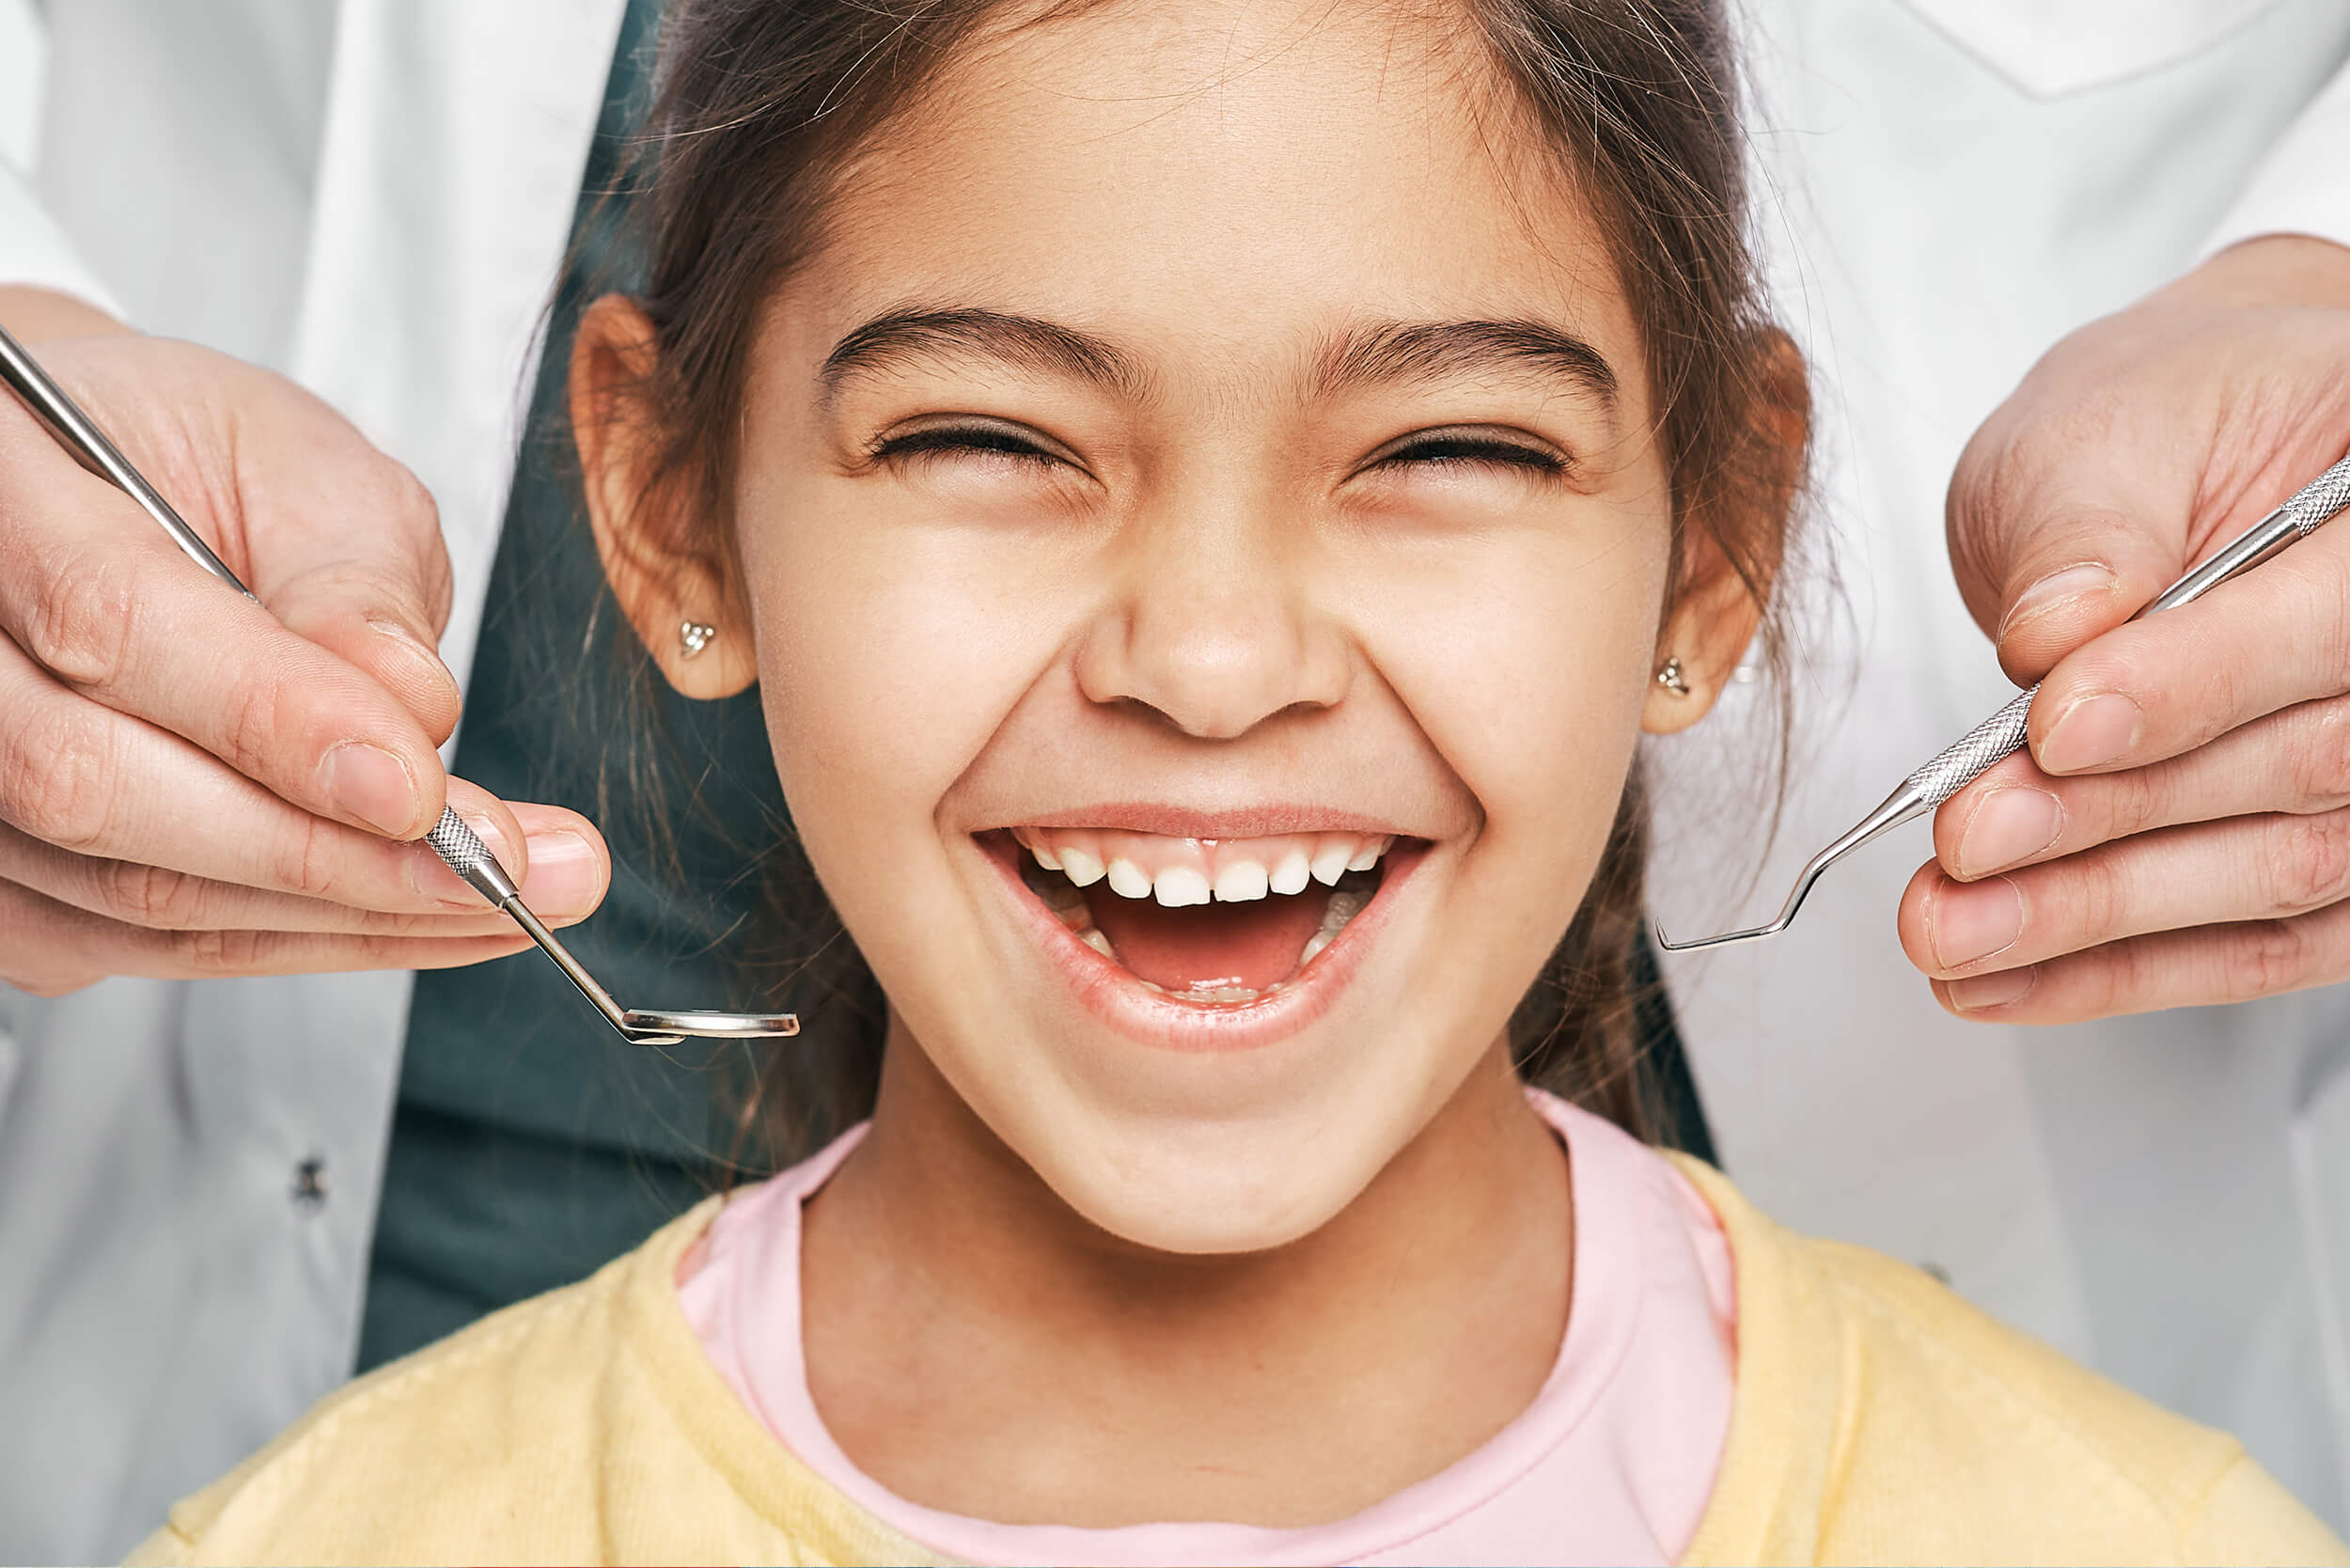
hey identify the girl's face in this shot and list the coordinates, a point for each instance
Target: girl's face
(1206, 551)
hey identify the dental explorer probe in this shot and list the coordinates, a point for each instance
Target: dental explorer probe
(1967, 757)
(451, 837)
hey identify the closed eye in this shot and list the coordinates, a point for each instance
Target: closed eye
(1465, 447)
(997, 438)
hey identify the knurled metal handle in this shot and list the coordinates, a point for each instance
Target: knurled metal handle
(1966, 759)
(2320, 499)
(456, 842)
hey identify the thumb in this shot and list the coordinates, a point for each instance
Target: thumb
(2051, 554)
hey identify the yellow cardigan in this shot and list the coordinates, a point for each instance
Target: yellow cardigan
(1878, 1418)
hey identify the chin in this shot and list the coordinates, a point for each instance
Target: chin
(1206, 1191)
(1205, 1154)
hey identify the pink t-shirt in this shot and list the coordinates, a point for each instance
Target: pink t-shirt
(1612, 1462)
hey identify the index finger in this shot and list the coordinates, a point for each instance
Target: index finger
(2168, 683)
(92, 589)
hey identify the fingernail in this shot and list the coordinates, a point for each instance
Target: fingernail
(565, 875)
(427, 657)
(2071, 582)
(1972, 921)
(2010, 825)
(2094, 730)
(1979, 992)
(370, 783)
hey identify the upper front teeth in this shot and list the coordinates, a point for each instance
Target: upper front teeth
(1184, 871)
(1331, 861)
(1179, 885)
(1241, 878)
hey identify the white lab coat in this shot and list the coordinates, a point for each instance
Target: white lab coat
(373, 195)
(1959, 183)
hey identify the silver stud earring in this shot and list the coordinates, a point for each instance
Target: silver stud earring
(694, 637)
(1671, 679)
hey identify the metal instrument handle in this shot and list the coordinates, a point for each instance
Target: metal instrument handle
(79, 434)
(1972, 754)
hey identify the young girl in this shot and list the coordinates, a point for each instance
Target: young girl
(1212, 492)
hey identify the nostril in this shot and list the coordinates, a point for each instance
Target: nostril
(1217, 669)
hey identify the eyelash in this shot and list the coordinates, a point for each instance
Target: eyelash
(1456, 451)
(1465, 448)
(993, 439)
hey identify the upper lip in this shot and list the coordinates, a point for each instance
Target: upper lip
(1188, 822)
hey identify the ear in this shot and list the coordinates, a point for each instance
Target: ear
(668, 567)
(1714, 618)
(1716, 607)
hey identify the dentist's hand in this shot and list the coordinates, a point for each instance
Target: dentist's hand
(2179, 831)
(191, 784)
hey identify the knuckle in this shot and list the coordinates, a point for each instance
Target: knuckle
(152, 896)
(412, 500)
(2320, 773)
(253, 731)
(2100, 896)
(304, 861)
(394, 493)
(82, 621)
(210, 953)
(2266, 956)
(2111, 979)
(2308, 861)
(56, 778)
(2141, 799)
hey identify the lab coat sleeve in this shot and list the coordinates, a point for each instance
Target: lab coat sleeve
(2303, 185)
(33, 249)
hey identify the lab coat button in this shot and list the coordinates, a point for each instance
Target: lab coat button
(309, 1184)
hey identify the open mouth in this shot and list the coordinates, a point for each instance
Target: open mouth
(1210, 921)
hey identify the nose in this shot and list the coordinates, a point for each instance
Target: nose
(1213, 623)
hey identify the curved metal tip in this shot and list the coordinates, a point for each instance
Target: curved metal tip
(648, 1027)
(1897, 808)
(1753, 934)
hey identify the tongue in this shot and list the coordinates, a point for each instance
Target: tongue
(1204, 947)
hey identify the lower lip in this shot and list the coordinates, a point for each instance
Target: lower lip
(1117, 996)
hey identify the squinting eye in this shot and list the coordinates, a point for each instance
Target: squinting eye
(988, 437)
(1466, 449)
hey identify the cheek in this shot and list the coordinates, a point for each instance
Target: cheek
(889, 652)
(1527, 664)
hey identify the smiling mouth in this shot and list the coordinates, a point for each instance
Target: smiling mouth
(1215, 923)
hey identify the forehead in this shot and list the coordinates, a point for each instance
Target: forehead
(1241, 171)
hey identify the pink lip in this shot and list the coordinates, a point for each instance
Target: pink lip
(1120, 1000)
(1180, 822)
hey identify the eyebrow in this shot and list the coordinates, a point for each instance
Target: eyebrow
(1024, 340)
(1388, 352)
(1368, 353)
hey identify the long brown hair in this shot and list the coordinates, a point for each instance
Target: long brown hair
(761, 104)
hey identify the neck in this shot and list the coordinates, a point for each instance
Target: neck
(978, 1347)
